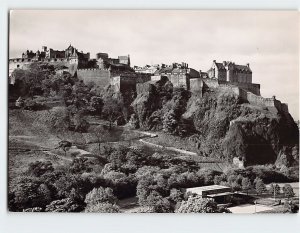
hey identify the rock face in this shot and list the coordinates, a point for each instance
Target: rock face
(224, 126)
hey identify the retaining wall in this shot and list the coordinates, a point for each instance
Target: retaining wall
(98, 76)
(196, 85)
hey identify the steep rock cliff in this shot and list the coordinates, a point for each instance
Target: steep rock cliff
(223, 126)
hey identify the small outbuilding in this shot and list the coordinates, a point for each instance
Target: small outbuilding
(221, 194)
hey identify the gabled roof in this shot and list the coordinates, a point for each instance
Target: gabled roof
(220, 66)
(242, 68)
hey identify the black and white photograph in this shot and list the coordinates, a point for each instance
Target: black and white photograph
(153, 111)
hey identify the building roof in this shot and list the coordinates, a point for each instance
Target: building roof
(242, 68)
(222, 66)
(123, 57)
(199, 190)
(220, 194)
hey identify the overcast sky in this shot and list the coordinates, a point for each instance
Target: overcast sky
(266, 40)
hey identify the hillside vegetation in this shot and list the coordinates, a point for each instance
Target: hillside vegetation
(220, 124)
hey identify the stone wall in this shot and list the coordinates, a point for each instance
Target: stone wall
(229, 87)
(211, 83)
(156, 78)
(124, 83)
(252, 87)
(144, 87)
(98, 76)
(240, 77)
(180, 80)
(261, 101)
(23, 63)
(196, 85)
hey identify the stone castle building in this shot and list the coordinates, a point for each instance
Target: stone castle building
(230, 72)
(178, 74)
(104, 61)
(98, 70)
(71, 54)
(118, 73)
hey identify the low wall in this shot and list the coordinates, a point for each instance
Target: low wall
(268, 102)
(98, 76)
(231, 88)
(252, 87)
(155, 78)
(258, 100)
(211, 83)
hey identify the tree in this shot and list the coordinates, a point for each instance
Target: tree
(71, 185)
(64, 205)
(158, 203)
(39, 168)
(274, 189)
(260, 186)
(105, 207)
(170, 122)
(246, 184)
(176, 196)
(101, 133)
(79, 165)
(81, 124)
(60, 120)
(96, 105)
(100, 195)
(197, 204)
(288, 191)
(29, 192)
(112, 109)
(64, 145)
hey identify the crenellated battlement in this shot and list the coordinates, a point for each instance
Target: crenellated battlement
(90, 69)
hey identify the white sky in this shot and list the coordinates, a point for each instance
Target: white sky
(266, 40)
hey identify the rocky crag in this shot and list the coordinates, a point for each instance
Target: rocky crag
(219, 122)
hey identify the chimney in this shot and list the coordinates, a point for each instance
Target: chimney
(214, 61)
(248, 65)
(224, 63)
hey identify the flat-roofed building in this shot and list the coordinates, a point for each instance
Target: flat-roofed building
(221, 194)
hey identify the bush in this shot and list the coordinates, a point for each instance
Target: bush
(32, 105)
(197, 204)
(105, 207)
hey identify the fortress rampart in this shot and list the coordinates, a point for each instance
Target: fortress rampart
(248, 92)
(100, 77)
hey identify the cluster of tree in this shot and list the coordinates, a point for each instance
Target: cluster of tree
(157, 180)
(287, 190)
(101, 200)
(197, 204)
(96, 186)
(254, 179)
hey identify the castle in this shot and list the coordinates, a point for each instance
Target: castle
(98, 70)
(118, 73)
